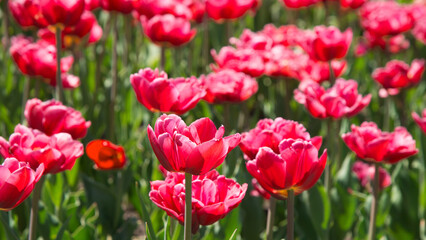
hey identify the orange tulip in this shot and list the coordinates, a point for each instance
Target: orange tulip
(106, 155)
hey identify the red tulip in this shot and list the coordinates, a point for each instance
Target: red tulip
(92, 4)
(258, 190)
(106, 155)
(27, 13)
(196, 149)
(269, 133)
(397, 74)
(157, 92)
(228, 86)
(58, 152)
(365, 174)
(421, 121)
(385, 18)
(168, 30)
(228, 9)
(122, 6)
(247, 61)
(299, 3)
(17, 181)
(63, 12)
(213, 197)
(371, 144)
(353, 4)
(308, 69)
(327, 43)
(151, 8)
(296, 167)
(341, 100)
(419, 30)
(52, 117)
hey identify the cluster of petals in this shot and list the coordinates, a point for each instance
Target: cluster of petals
(365, 174)
(106, 155)
(296, 167)
(420, 120)
(213, 197)
(397, 74)
(57, 152)
(391, 44)
(229, 9)
(270, 132)
(371, 144)
(38, 59)
(258, 191)
(157, 92)
(228, 86)
(27, 13)
(168, 30)
(51, 117)
(340, 100)
(17, 180)
(196, 149)
(299, 3)
(418, 13)
(188, 9)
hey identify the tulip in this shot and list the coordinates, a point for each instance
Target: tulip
(353, 4)
(168, 30)
(106, 155)
(228, 9)
(157, 92)
(122, 6)
(365, 174)
(152, 8)
(246, 61)
(296, 167)
(341, 100)
(308, 69)
(27, 13)
(299, 3)
(371, 144)
(269, 133)
(228, 86)
(213, 197)
(17, 181)
(421, 121)
(52, 117)
(419, 31)
(258, 190)
(62, 12)
(91, 4)
(397, 74)
(58, 152)
(195, 149)
(327, 43)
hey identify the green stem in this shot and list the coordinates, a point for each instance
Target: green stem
(228, 31)
(270, 219)
(162, 58)
(330, 142)
(119, 195)
(59, 87)
(111, 133)
(34, 209)
(386, 119)
(205, 42)
(25, 95)
(11, 234)
(332, 76)
(188, 206)
(373, 210)
(290, 215)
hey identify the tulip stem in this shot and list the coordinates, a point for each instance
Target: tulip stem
(34, 209)
(373, 210)
(25, 95)
(330, 67)
(111, 133)
(188, 206)
(270, 219)
(290, 215)
(162, 58)
(59, 87)
(228, 31)
(386, 117)
(11, 234)
(205, 41)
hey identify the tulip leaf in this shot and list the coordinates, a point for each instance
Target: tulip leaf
(319, 208)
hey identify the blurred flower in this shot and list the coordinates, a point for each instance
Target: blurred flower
(17, 181)
(121, 6)
(340, 100)
(27, 13)
(397, 74)
(187, 9)
(353, 4)
(228, 9)
(39, 60)
(327, 43)
(62, 12)
(57, 152)
(419, 30)
(245, 60)
(92, 4)
(296, 167)
(421, 121)
(299, 3)
(52, 117)
(168, 30)
(365, 174)
(371, 144)
(392, 44)
(213, 197)
(269, 133)
(157, 92)
(106, 155)
(196, 149)
(308, 69)
(258, 190)
(228, 86)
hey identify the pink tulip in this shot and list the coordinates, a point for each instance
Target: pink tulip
(157, 92)
(269, 133)
(299, 3)
(365, 174)
(196, 149)
(58, 152)
(213, 197)
(27, 13)
(52, 117)
(17, 181)
(341, 100)
(421, 121)
(220, 10)
(62, 12)
(247, 61)
(371, 144)
(296, 167)
(258, 190)
(308, 69)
